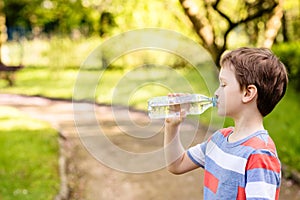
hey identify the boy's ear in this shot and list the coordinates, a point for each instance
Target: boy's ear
(250, 93)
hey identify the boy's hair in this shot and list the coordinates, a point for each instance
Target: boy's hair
(259, 67)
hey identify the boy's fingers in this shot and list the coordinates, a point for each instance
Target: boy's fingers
(177, 120)
(175, 108)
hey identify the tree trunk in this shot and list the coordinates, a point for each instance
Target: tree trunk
(273, 25)
(203, 28)
(205, 25)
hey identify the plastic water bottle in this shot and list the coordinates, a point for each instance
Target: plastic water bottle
(168, 107)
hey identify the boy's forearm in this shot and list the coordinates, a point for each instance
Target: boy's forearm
(174, 151)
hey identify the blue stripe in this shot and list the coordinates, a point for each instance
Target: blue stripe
(267, 176)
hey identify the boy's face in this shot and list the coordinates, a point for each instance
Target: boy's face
(229, 93)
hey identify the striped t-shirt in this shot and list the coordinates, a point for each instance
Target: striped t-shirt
(246, 169)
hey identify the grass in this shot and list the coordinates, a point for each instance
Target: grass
(40, 81)
(28, 157)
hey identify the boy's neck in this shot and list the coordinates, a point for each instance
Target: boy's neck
(246, 126)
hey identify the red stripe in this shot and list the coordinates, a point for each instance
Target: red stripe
(277, 194)
(263, 161)
(257, 143)
(226, 131)
(241, 195)
(271, 144)
(210, 181)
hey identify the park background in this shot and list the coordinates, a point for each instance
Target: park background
(52, 38)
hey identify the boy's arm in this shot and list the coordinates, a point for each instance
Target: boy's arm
(263, 175)
(178, 162)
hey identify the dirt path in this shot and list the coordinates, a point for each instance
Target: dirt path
(90, 177)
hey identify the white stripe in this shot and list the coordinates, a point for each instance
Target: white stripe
(197, 154)
(260, 190)
(225, 160)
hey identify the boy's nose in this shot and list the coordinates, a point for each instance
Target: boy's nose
(217, 93)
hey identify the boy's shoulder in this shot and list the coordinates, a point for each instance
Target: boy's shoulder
(261, 143)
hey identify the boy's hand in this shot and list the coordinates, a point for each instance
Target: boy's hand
(175, 121)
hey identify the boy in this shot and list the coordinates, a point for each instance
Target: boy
(239, 162)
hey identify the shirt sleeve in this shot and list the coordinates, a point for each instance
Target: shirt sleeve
(197, 154)
(263, 176)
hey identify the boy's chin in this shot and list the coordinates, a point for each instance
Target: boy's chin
(221, 113)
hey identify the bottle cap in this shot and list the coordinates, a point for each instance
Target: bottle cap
(214, 101)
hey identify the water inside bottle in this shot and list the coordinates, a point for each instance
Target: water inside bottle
(161, 111)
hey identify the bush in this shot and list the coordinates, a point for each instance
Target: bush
(289, 54)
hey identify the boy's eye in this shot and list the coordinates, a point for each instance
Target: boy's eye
(222, 84)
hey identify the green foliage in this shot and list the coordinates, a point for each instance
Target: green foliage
(77, 18)
(289, 54)
(28, 157)
(292, 20)
(284, 127)
(102, 18)
(59, 16)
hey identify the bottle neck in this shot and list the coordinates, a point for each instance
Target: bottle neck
(214, 101)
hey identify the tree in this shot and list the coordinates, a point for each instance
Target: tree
(3, 35)
(214, 20)
(273, 25)
(51, 16)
